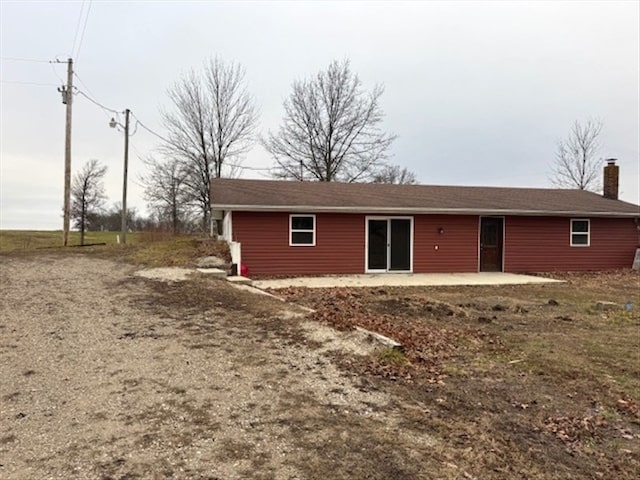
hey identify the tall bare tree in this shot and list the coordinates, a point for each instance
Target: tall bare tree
(395, 174)
(210, 127)
(165, 191)
(87, 195)
(331, 130)
(577, 164)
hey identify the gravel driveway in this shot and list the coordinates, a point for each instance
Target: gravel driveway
(104, 374)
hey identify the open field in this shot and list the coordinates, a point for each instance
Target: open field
(108, 375)
(145, 248)
(11, 240)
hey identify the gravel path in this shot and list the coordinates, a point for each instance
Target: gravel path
(102, 377)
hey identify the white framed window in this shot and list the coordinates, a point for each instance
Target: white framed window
(302, 230)
(580, 232)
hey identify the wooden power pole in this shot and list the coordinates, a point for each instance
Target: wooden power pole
(124, 176)
(67, 98)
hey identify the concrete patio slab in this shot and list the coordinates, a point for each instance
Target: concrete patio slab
(239, 280)
(214, 272)
(403, 280)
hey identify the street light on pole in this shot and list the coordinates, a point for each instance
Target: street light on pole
(113, 124)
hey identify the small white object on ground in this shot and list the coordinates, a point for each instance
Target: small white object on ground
(215, 272)
(165, 274)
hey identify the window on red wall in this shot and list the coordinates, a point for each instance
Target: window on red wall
(302, 230)
(580, 233)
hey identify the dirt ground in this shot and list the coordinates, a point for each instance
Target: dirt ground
(529, 381)
(107, 374)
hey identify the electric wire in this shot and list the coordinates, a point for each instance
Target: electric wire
(149, 130)
(32, 60)
(96, 102)
(17, 59)
(107, 109)
(242, 167)
(75, 74)
(255, 169)
(86, 18)
(75, 37)
(139, 123)
(52, 63)
(38, 84)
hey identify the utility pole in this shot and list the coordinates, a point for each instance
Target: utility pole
(67, 98)
(124, 179)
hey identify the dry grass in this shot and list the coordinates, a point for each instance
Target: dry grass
(513, 385)
(176, 250)
(145, 248)
(26, 240)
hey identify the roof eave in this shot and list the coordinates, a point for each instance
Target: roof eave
(417, 211)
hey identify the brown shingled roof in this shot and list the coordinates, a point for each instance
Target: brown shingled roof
(278, 195)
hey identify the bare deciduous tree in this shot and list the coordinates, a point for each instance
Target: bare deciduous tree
(210, 127)
(87, 195)
(110, 219)
(165, 191)
(331, 130)
(577, 164)
(395, 174)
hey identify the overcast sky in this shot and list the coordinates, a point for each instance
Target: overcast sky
(478, 93)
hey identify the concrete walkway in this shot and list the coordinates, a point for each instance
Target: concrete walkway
(403, 280)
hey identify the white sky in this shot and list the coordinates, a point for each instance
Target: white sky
(477, 92)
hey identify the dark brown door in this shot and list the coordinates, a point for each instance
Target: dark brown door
(491, 229)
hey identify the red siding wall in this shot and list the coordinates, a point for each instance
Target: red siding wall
(542, 244)
(457, 247)
(532, 244)
(264, 239)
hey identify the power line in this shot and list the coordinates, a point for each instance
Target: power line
(53, 62)
(16, 59)
(149, 130)
(88, 91)
(136, 151)
(139, 123)
(75, 37)
(32, 60)
(18, 82)
(106, 109)
(83, 84)
(86, 18)
(256, 169)
(97, 103)
(241, 167)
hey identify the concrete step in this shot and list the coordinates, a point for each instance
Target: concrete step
(239, 280)
(215, 272)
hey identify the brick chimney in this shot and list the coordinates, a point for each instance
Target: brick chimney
(611, 174)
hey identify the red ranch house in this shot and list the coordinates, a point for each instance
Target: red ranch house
(311, 228)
